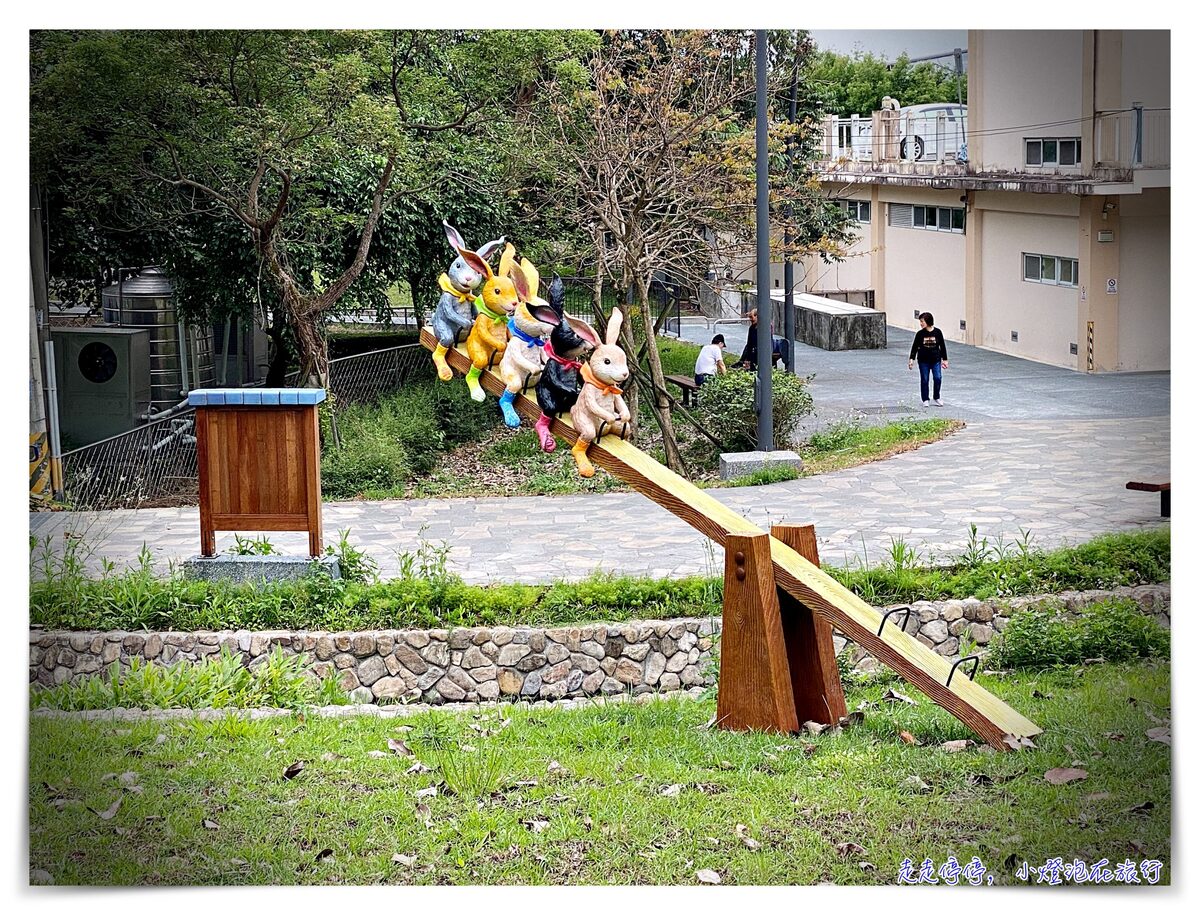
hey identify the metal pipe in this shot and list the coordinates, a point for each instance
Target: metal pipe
(56, 473)
(183, 357)
(763, 240)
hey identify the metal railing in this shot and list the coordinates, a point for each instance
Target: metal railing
(155, 464)
(1133, 138)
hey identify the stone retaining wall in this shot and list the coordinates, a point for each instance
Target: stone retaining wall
(471, 665)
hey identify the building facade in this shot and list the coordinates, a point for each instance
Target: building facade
(1051, 241)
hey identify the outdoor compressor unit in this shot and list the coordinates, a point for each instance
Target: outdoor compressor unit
(103, 378)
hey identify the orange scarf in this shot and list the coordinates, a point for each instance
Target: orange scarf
(586, 372)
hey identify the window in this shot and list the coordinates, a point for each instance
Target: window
(1054, 271)
(1052, 151)
(938, 219)
(859, 210)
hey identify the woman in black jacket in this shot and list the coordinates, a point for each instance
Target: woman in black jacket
(929, 349)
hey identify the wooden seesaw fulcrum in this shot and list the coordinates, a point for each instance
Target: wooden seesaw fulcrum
(778, 667)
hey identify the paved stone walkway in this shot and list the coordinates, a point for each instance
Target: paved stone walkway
(1062, 480)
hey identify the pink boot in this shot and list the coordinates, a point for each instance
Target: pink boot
(543, 433)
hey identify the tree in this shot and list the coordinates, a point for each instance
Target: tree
(302, 140)
(857, 83)
(655, 153)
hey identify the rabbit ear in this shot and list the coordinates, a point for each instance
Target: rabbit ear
(520, 283)
(456, 240)
(531, 276)
(476, 263)
(584, 331)
(613, 332)
(558, 295)
(489, 249)
(506, 260)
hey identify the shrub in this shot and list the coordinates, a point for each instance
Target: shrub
(1115, 630)
(725, 404)
(280, 681)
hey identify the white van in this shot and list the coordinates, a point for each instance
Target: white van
(929, 133)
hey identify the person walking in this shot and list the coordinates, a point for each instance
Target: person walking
(929, 349)
(711, 360)
(749, 357)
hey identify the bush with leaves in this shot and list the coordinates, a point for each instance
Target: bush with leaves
(1114, 630)
(725, 404)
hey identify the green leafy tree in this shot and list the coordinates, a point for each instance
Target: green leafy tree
(330, 155)
(856, 83)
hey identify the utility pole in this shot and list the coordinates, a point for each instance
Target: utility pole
(763, 239)
(789, 308)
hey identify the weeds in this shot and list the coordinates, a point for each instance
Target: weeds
(256, 546)
(280, 681)
(1112, 630)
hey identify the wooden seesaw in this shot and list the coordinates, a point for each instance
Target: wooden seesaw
(778, 667)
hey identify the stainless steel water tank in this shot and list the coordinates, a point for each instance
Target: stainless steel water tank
(148, 300)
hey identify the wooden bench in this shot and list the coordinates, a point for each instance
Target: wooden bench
(687, 385)
(1164, 489)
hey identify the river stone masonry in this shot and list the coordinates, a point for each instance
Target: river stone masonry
(441, 666)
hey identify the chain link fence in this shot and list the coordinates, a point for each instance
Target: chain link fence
(155, 465)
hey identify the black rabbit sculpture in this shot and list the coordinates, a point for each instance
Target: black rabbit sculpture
(558, 388)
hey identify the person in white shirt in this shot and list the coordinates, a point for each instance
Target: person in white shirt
(711, 360)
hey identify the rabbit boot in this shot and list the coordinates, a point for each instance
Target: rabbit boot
(473, 384)
(545, 438)
(579, 452)
(439, 359)
(510, 414)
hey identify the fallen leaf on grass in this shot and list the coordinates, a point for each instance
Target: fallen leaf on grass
(852, 719)
(892, 696)
(956, 746)
(846, 849)
(110, 812)
(908, 738)
(1038, 694)
(554, 766)
(670, 790)
(403, 728)
(293, 770)
(1162, 735)
(536, 826)
(1013, 742)
(399, 747)
(423, 814)
(377, 754)
(405, 860)
(915, 783)
(431, 791)
(40, 877)
(1062, 776)
(1144, 807)
(815, 728)
(330, 756)
(1114, 735)
(417, 768)
(323, 854)
(708, 876)
(211, 824)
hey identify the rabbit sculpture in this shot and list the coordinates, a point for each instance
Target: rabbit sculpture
(600, 409)
(558, 387)
(455, 311)
(499, 295)
(525, 356)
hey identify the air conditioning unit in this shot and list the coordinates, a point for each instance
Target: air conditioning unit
(103, 378)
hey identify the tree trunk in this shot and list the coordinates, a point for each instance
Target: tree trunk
(276, 331)
(313, 347)
(662, 406)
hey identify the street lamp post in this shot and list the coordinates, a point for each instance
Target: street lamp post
(762, 233)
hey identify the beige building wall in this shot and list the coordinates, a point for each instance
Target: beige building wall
(926, 270)
(1144, 308)
(1045, 317)
(1020, 78)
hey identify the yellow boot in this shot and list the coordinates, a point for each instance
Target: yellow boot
(579, 452)
(439, 359)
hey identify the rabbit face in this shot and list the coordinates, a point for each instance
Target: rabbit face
(571, 338)
(608, 364)
(500, 293)
(462, 276)
(535, 319)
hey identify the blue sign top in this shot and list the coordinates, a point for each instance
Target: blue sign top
(255, 397)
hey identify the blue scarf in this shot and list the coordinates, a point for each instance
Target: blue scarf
(517, 332)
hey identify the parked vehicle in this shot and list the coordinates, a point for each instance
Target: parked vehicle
(928, 132)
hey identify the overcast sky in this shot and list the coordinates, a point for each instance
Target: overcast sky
(890, 43)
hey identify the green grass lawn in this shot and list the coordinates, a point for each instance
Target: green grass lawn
(620, 794)
(848, 444)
